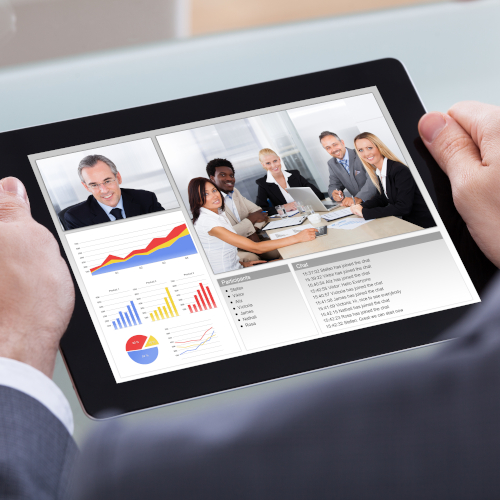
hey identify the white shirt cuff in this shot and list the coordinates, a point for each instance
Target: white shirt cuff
(34, 383)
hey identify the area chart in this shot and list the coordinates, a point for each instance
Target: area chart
(178, 243)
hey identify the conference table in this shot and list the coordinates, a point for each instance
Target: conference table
(336, 238)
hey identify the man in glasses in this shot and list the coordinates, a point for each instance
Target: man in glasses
(108, 201)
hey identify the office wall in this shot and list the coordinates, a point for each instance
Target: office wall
(345, 117)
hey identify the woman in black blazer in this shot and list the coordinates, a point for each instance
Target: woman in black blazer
(398, 193)
(274, 185)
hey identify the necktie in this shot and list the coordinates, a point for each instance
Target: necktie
(117, 213)
(345, 165)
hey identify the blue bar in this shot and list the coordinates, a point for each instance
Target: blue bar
(128, 319)
(131, 315)
(135, 310)
(114, 324)
(123, 320)
(119, 324)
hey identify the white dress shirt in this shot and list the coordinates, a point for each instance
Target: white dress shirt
(108, 209)
(222, 256)
(383, 175)
(34, 383)
(285, 194)
(229, 203)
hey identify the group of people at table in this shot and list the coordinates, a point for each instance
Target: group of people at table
(228, 224)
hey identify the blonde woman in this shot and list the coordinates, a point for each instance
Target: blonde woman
(273, 186)
(398, 193)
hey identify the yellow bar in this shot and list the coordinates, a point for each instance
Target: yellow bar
(161, 314)
(173, 303)
(157, 317)
(165, 311)
(152, 317)
(168, 305)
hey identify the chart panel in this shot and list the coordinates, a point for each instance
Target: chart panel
(146, 279)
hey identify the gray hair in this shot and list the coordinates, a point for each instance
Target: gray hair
(91, 160)
(326, 133)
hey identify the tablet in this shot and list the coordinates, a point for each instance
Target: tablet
(161, 317)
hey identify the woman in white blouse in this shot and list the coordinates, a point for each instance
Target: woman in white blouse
(274, 185)
(218, 237)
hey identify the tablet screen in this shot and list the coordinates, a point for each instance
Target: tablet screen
(165, 294)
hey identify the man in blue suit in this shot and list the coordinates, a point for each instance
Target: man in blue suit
(428, 429)
(107, 202)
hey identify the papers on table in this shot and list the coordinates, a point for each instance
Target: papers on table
(348, 223)
(338, 214)
(278, 224)
(289, 232)
(289, 214)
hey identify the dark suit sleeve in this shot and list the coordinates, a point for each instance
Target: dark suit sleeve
(155, 204)
(378, 200)
(262, 196)
(403, 202)
(36, 451)
(71, 222)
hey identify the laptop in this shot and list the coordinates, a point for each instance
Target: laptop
(307, 197)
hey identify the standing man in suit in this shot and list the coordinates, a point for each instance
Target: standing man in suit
(346, 171)
(107, 202)
(245, 217)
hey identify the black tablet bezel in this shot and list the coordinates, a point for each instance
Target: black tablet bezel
(80, 346)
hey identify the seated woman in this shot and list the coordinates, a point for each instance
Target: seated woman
(217, 235)
(398, 193)
(277, 181)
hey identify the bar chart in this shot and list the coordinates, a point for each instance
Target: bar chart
(130, 315)
(161, 311)
(203, 298)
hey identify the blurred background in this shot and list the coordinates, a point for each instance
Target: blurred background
(36, 30)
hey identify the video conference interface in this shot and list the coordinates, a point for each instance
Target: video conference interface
(208, 241)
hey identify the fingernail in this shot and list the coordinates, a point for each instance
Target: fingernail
(13, 185)
(431, 125)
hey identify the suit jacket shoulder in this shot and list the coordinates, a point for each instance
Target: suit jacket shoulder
(36, 451)
(89, 212)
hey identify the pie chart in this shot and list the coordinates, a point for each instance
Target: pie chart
(142, 349)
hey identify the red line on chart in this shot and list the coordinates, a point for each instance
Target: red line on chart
(197, 340)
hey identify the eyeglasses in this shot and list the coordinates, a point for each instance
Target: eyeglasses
(95, 186)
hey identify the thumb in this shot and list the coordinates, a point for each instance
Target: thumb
(14, 202)
(451, 146)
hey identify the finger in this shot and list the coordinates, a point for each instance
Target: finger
(482, 123)
(450, 145)
(14, 203)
